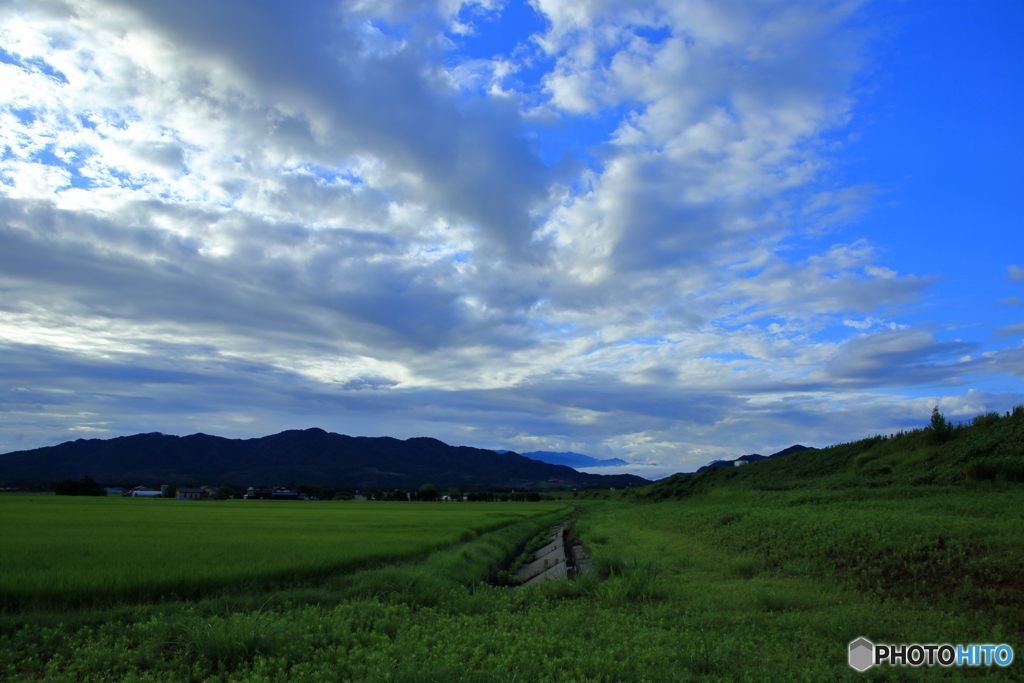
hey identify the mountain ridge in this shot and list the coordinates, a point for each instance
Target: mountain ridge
(312, 456)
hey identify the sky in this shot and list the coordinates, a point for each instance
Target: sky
(664, 231)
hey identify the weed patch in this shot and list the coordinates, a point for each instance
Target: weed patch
(745, 567)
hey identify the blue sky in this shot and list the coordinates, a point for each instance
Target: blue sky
(668, 232)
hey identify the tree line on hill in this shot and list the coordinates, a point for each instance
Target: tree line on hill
(88, 486)
(429, 492)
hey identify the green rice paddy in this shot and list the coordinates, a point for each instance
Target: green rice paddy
(727, 585)
(83, 550)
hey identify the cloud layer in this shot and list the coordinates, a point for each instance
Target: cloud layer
(235, 218)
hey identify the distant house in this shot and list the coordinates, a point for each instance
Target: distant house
(185, 493)
(275, 493)
(281, 493)
(143, 492)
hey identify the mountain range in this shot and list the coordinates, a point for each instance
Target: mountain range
(311, 456)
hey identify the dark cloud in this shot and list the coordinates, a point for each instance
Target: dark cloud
(898, 358)
(145, 274)
(1011, 330)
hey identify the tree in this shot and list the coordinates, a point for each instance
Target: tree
(67, 487)
(940, 428)
(318, 491)
(428, 492)
(87, 486)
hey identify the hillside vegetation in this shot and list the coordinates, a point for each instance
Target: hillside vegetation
(988, 448)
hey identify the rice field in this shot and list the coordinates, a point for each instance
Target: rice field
(726, 586)
(81, 550)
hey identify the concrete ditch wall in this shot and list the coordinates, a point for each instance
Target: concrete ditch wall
(562, 557)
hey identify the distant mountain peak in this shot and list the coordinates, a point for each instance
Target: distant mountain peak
(574, 460)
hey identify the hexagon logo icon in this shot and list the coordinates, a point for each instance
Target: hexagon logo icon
(861, 654)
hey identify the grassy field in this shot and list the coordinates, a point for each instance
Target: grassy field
(782, 581)
(80, 551)
(761, 573)
(723, 586)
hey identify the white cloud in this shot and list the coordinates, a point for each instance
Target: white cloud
(869, 322)
(210, 211)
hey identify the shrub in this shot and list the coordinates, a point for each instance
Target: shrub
(630, 581)
(229, 640)
(609, 565)
(993, 471)
(985, 420)
(730, 517)
(771, 601)
(745, 567)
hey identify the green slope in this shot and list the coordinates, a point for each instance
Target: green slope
(990, 447)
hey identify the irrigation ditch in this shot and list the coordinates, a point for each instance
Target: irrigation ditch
(554, 554)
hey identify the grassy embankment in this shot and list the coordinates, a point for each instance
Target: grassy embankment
(761, 573)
